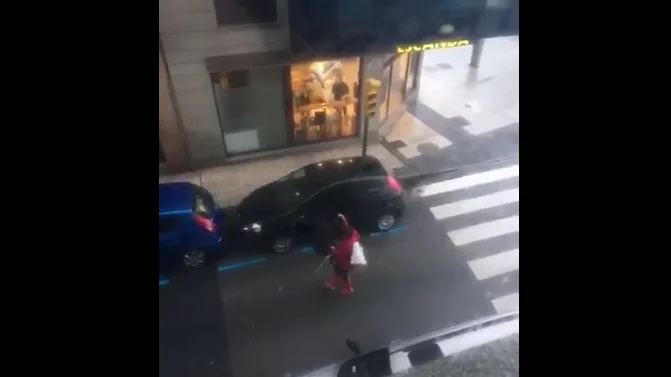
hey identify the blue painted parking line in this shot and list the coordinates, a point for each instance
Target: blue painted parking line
(163, 282)
(234, 266)
(306, 249)
(394, 230)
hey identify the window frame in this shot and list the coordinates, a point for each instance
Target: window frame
(215, 78)
(230, 76)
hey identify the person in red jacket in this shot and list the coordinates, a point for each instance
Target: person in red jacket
(341, 256)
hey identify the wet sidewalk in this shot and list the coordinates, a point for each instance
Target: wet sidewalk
(462, 116)
(229, 184)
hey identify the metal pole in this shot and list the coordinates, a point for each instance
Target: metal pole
(477, 53)
(361, 105)
(365, 135)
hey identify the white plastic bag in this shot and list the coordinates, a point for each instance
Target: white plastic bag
(358, 257)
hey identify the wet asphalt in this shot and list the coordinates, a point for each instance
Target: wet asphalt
(263, 315)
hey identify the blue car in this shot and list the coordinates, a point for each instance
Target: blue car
(189, 226)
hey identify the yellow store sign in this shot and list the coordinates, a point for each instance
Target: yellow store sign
(431, 46)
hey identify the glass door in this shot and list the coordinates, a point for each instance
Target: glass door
(411, 76)
(383, 109)
(399, 70)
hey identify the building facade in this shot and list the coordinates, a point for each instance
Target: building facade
(173, 152)
(238, 92)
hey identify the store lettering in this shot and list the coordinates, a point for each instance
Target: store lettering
(431, 46)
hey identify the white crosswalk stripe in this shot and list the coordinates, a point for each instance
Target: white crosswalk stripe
(507, 303)
(495, 265)
(471, 205)
(469, 181)
(485, 231)
(480, 205)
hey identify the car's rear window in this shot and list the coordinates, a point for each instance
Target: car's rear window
(203, 204)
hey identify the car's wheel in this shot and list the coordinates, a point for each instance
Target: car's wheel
(385, 221)
(282, 245)
(193, 258)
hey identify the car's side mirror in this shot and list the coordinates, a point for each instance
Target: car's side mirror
(353, 346)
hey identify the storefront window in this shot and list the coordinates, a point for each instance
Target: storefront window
(324, 99)
(251, 109)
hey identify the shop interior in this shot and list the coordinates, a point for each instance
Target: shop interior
(324, 99)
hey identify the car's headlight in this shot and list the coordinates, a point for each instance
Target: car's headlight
(254, 227)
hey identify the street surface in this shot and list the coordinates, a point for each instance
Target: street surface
(452, 259)
(191, 334)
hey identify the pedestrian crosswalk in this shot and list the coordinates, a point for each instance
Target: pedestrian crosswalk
(480, 214)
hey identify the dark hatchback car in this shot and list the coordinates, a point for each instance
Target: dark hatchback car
(290, 211)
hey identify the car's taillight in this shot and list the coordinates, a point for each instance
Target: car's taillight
(393, 184)
(205, 223)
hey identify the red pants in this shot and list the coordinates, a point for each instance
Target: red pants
(341, 272)
(340, 276)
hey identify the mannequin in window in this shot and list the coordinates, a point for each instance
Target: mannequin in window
(303, 97)
(340, 91)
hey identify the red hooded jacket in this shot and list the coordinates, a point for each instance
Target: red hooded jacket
(342, 254)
